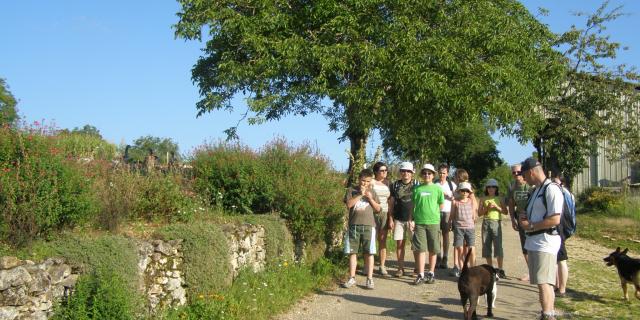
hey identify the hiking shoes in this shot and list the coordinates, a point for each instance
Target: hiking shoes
(369, 284)
(455, 272)
(501, 274)
(399, 273)
(350, 283)
(430, 278)
(419, 280)
(383, 271)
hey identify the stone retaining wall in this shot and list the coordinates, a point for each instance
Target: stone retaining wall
(28, 290)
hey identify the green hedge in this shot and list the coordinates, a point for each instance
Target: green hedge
(206, 250)
(294, 181)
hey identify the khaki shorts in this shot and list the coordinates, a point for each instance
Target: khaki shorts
(542, 267)
(426, 237)
(360, 239)
(400, 229)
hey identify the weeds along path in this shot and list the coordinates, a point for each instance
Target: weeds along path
(397, 298)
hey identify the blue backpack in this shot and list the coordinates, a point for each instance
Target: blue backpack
(567, 226)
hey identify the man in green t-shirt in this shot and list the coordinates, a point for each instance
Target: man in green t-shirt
(517, 198)
(428, 200)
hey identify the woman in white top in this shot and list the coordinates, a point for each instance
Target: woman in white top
(381, 187)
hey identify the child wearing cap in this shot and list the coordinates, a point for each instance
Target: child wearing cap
(492, 207)
(428, 200)
(462, 221)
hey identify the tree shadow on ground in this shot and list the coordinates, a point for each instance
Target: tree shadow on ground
(401, 309)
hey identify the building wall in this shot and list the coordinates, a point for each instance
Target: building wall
(604, 173)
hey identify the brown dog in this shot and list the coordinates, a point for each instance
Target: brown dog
(475, 282)
(628, 270)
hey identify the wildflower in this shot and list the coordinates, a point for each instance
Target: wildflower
(201, 296)
(285, 263)
(264, 284)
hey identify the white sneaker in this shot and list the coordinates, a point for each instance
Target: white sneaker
(350, 283)
(383, 271)
(369, 284)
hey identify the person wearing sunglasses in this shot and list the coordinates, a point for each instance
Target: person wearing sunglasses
(401, 209)
(428, 200)
(517, 197)
(380, 185)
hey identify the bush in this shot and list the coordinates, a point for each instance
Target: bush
(98, 295)
(205, 249)
(129, 195)
(296, 182)
(79, 145)
(599, 199)
(40, 189)
(108, 287)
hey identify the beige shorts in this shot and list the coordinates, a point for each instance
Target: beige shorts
(542, 267)
(400, 229)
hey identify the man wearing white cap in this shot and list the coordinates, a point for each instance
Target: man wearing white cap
(428, 201)
(401, 209)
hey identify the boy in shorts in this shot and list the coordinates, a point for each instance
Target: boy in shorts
(362, 202)
(428, 200)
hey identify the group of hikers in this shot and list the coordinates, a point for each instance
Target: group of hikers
(427, 211)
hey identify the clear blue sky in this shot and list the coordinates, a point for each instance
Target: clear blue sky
(116, 65)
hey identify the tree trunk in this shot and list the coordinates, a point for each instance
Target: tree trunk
(358, 140)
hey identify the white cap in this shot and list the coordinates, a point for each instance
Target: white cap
(465, 186)
(491, 183)
(429, 167)
(406, 166)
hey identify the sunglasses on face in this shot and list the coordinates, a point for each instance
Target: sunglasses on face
(516, 173)
(428, 173)
(405, 171)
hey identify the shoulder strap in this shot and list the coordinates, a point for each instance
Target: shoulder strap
(450, 185)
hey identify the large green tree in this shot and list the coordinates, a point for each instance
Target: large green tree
(8, 112)
(393, 65)
(597, 104)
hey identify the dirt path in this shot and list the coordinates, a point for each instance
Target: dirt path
(397, 298)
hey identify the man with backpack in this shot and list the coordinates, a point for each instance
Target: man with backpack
(540, 222)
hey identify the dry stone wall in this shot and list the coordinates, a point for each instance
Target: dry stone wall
(28, 290)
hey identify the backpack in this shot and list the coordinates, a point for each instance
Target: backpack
(567, 226)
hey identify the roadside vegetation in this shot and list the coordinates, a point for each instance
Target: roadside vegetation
(610, 220)
(71, 194)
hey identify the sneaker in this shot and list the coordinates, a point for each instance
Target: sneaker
(350, 283)
(419, 279)
(430, 278)
(455, 272)
(546, 317)
(383, 271)
(369, 285)
(501, 274)
(399, 273)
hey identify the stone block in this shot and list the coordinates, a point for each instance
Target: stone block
(9, 262)
(59, 273)
(14, 277)
(9, 313)
(40, 282)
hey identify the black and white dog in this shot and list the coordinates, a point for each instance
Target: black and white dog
(475, 282)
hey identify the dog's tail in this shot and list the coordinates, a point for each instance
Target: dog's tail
(465, 266)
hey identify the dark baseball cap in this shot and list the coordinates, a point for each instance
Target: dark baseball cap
(528, 163)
